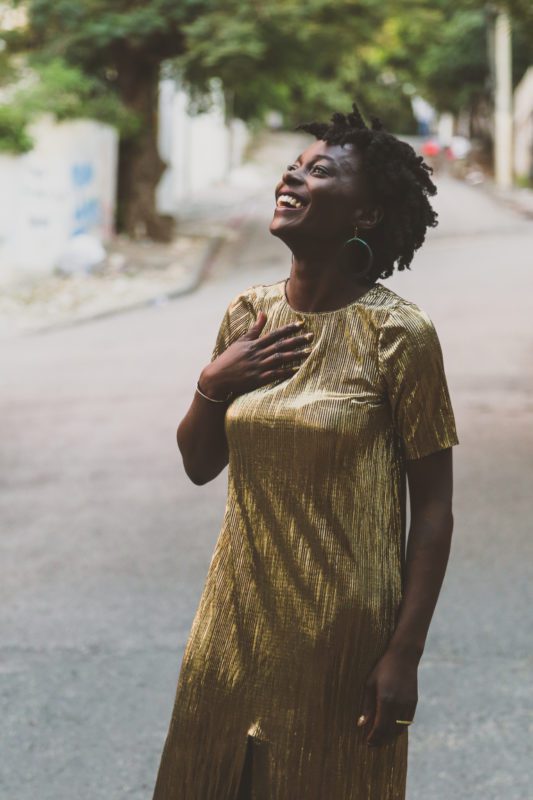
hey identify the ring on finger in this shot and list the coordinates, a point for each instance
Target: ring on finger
(404, 722)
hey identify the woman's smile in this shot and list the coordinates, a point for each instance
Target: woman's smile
(290, 201)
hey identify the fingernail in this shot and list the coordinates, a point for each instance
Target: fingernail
(300, 323)
(361, 721)
(309, 335)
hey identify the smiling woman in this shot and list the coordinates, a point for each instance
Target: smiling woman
(325, 394)
(358, 178)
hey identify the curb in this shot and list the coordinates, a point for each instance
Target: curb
(508, 198)
(198, 275)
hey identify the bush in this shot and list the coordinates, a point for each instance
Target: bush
(66, 92)
(13, 135)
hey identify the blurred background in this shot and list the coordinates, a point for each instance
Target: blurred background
(140, 144)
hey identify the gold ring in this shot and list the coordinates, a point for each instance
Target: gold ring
(404, 722)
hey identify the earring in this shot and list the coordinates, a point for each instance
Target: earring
(356, 238)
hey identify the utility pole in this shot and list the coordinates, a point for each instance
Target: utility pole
(503, 101)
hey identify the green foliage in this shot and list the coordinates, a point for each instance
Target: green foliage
(66, 92)
(304, 58)
(7, 69)
(524, 181)
(69, 93)
(522, 49)
(454, 66)
(95, 31)
(13, 135)
(309, 58)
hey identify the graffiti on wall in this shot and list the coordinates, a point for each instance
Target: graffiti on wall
(87, 212)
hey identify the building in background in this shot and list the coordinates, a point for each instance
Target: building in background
(523, 128)
(65, 186)
(199, 150)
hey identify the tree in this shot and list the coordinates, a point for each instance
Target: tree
(37, 87)
(303, 58)
(282, 53)
(120, 44)
(442, 49)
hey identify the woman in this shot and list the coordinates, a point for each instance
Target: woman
(325, 392)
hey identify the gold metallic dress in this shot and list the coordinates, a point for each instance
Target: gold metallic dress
(305, 581)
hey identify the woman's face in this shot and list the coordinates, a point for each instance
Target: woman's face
(326, 195)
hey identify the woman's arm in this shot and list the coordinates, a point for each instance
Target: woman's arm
(201, 437)
(391, 691)
(251, 361)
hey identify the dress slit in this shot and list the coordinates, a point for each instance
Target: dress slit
(244, 791)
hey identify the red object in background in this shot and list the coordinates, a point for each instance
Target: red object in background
(430, 148)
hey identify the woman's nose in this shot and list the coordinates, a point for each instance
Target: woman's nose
(291, 176)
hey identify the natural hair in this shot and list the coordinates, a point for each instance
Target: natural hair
(399, 181)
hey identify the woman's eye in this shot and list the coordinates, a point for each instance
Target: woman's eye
(323, 171)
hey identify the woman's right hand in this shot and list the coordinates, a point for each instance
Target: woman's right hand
(253, 360)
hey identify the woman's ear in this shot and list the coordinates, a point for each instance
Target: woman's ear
(366, 218)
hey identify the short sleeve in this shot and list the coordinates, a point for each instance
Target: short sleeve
(238, 318)
(411, 363)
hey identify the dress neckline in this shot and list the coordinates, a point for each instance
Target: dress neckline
(332, 311)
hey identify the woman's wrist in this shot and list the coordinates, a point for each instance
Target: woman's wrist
(406, 650)
(210, 386)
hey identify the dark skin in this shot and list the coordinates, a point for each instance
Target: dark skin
(327, 180)
(324, 272)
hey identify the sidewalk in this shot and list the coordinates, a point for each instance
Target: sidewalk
(133, 275)
(136, 274)
(519, 199)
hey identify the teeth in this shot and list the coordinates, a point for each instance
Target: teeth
(292, 201)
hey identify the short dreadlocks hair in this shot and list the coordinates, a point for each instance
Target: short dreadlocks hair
(399, 181)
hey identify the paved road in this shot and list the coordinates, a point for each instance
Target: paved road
(106, 543)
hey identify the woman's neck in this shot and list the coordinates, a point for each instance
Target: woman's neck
(317, 283)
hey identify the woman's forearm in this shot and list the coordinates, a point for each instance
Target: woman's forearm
(391, 691)
(428, 549)
(250, 361)
(201, 436)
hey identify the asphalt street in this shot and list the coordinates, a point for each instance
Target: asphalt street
(105, 542)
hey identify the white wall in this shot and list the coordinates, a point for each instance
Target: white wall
(200, 150)
(66, 185)
(523, 125)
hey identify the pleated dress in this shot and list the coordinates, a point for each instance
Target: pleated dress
(305, 582)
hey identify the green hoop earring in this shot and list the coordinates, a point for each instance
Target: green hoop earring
(355, 238)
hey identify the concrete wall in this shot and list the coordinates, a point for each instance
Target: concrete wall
(65, 186)
(523, 126)
(200, 150)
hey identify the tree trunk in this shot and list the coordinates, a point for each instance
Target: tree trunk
(140, 165)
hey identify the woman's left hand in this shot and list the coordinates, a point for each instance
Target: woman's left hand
(391, 693)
